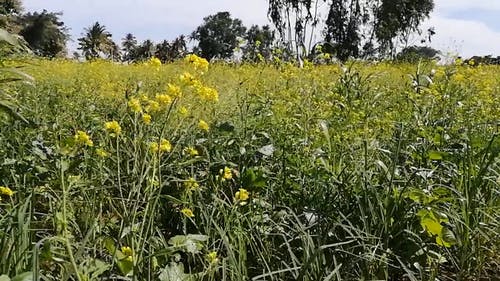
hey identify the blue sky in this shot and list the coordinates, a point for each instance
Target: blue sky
(466, 27)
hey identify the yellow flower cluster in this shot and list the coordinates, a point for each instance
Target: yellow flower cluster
(101, 153)
(207, 93)
(197, 62)
(242, 195)
(128, 252)
(191, 151)
(163, 99)
(212, 257)
(6, 191)
(188, 79)
(82, 138)
(191, 184)
(146, 118)
(113, 127)
(156, 62)
(174, 90)
(135, 105)
(226, 173)
(188, 212)
(163, 146)
(202, 125)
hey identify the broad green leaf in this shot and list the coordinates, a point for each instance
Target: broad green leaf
(431, 225)
(435, 155)
(4, 278)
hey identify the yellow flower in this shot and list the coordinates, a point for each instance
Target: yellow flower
(212, 257)
(82, 138)
(226, 173)
(153, 106)
(191, 151)
(183, 111)
(197, 62)
(146, 118)
(155, 62)
(202, 125)
(153, 147)
(101, 153)
(208, 94)
(187, 212)
(188, 79)
(113, 128)
(127, 251)
(173, 90)
(135, 105)
(6, 191)
(241, 195)
(191, 184)
(165, 145)
(163, 99)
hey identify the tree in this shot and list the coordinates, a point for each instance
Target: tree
(258, 41)
(353, 28)
(96, 42)
(218, 35)
(413, 54)
(170, 51)
(45, 33)
(9, 9)
(145, 51)
(129, 47)
(398, 19)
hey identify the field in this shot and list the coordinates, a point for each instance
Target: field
(190, 171)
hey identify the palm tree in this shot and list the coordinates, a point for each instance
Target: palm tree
(96, 41)
(129, 47)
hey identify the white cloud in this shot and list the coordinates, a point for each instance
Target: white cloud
(465, 37)
(461, 5)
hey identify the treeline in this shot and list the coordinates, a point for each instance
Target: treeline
(352, 29)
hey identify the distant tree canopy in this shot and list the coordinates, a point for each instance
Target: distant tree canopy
(9, 9)
(413, 54)
(45, 33)
(259, 41)
(97, 42)
(353, 28)
(218, 35)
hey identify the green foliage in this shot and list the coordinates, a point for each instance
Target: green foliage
(97, 42)
(218, 35)
(45, 33)
(373, 171)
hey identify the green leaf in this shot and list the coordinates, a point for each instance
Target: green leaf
(446, 238)
(4, 278)
(126, 266)
(432, 226)
(435, 155)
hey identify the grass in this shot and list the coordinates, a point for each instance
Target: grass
(359, 172)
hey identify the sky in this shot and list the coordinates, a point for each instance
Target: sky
(463, 27)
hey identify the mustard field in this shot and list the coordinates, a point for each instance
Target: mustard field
(198, 171)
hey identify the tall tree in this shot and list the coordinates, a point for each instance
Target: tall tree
(45, 33)
(218, 35)
(129, 47)
(354, 28)
(170, 51)
(295, 20)
(145, 51)
(96, 42)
